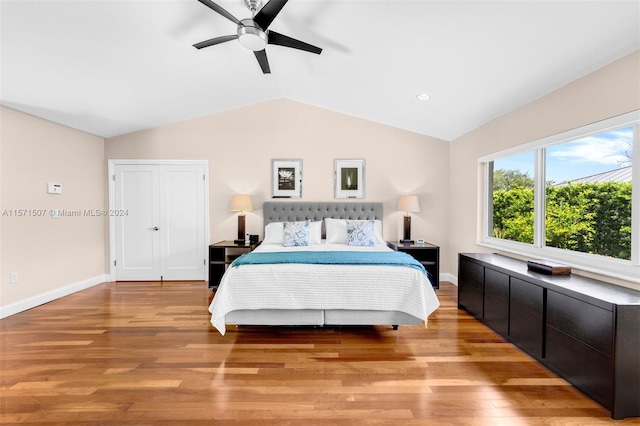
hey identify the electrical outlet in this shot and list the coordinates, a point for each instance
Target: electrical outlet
(13, 277)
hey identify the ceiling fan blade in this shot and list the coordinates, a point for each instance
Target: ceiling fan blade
(267, 14)
(286, 41)
(215, 40)
(221, 11)
(261, 56)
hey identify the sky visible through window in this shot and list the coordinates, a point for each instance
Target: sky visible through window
(580, 158)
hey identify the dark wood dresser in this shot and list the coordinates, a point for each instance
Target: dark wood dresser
(585, 330)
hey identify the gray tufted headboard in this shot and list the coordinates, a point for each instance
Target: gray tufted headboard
(280, 211)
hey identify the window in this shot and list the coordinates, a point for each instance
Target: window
(588, 194)
(512, 201)
(570, 198)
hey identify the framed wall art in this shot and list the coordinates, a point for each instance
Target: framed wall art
(349, 178)
(286, 178)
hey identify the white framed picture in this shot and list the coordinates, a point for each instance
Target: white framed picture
(349, 178)
(286, 178)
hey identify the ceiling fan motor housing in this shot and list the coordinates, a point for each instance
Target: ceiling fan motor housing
(251, 36)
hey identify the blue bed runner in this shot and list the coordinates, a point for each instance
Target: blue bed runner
(392, 258)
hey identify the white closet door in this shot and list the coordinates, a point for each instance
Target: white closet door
(182, 235)
(162, 234)
(137, 227)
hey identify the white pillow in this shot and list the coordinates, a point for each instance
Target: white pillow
(274, 233)
(337, 231)
(315, 232)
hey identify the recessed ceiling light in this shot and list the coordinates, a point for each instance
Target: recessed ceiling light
(423, 97)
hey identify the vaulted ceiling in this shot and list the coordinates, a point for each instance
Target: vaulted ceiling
(114, 67)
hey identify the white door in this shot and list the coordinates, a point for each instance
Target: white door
(159, 222)
(137, 221)
(182, 219)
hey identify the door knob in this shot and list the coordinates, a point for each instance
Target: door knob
(155, 228)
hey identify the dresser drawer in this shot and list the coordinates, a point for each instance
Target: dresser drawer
(471, 273)
(471, 299)
(526, 316)
(586, 368)
(587, 323)
(496, 301)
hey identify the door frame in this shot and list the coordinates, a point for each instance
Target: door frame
(112, 198)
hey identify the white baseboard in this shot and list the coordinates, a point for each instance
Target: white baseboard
(49, 296)
(449, 277)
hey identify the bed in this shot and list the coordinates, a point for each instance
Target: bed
(337, 293)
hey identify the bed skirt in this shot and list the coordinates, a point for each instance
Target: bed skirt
(319, 317)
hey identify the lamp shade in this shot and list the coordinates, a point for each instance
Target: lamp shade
(408, 203)
(241, 203)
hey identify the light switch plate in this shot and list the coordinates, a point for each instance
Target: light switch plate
(54, 188)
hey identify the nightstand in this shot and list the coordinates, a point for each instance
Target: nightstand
(221, 255)
(427, 254)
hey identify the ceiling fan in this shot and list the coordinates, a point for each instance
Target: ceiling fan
(253, 33)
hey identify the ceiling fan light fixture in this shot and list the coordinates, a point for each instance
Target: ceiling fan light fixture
(251, 36)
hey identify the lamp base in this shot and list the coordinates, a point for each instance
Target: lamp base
(407, 231)
(241, 228)
(240, 242)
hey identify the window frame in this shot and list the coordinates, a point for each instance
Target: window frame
(618, 268)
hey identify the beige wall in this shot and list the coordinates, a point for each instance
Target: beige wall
(240, 145)
(610, 91)
(49, 254)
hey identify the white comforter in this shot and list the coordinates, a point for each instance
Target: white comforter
(302, 286)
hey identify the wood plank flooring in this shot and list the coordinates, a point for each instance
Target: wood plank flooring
(145, 354)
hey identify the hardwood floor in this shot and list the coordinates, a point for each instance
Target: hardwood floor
(145, 354)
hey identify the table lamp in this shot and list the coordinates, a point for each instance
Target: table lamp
(241, 203)
(408, 204)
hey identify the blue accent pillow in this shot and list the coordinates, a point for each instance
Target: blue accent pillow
(296, 234)
(360, 233)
